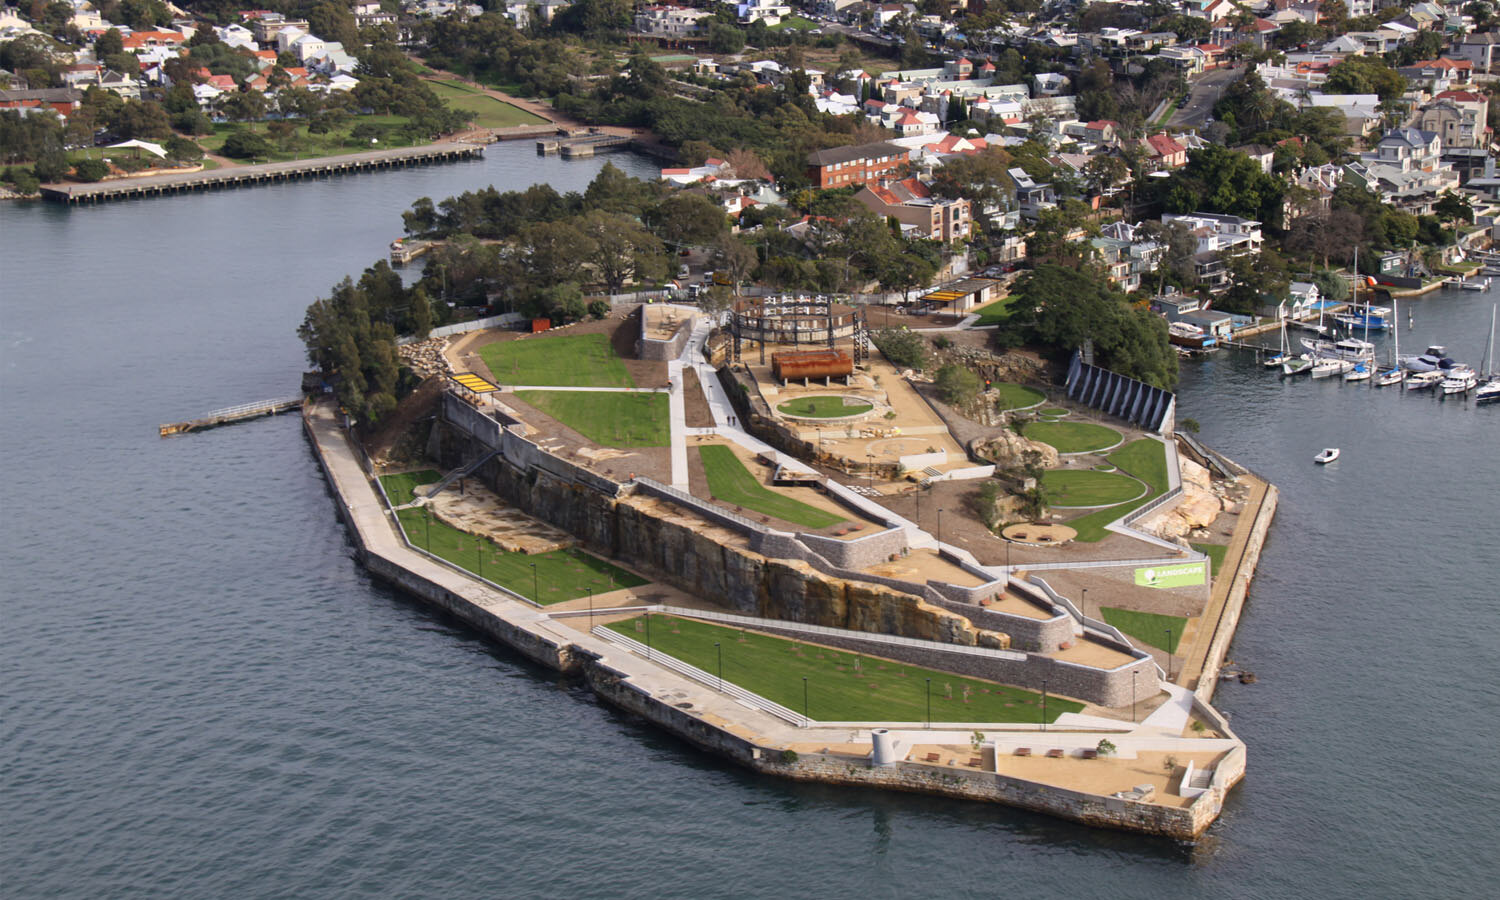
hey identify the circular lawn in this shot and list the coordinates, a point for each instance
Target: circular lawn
(1017, 396)
(1073, 437)
(1085, 487)
(825, 407)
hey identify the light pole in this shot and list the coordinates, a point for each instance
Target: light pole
(870, 469)
(720, 651)
(940, 529)
(479, 549)
(591, 609)
(929, 703)
(805, 718)
(426, 529)
(536, 591)
(1168, 648)
(1135, 682)
(648, 634)
(1044, 704)
(1085, 601)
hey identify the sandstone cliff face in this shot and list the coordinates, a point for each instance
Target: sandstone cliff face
(1197, 509)
(1009, 450)
(715, 564)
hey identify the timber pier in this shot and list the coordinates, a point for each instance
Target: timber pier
(233, 414)
(266, 173)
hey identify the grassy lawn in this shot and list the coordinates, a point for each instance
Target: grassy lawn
(1054, 411)
(993, 313)
(1215, 554)
(577, 360)
(1148, 628)
(312, 146)
(487, 111)
(1083, 487)
(730, 482)
(1017, 396)
(794, 22)
(824, 407)
(1072, 437)
(607, 418)
(841, 686)
(561, 574)
(401, 488)
(1145, 459)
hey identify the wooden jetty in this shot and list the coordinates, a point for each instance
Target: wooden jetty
(233, 414)
(267, 173)
(403, 251)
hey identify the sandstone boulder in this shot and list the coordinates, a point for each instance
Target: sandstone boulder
(1009, 450)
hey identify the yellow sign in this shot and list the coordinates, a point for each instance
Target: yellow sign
(474, 383)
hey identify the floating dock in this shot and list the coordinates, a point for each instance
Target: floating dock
(583, 147)
(267, 173)
(233, 414)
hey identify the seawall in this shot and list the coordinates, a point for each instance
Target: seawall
(692, 711)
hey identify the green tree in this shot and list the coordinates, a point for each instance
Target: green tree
(725, 39)
(958, 385)
(623, 249)
(1365, 75)
(246, 145)
(90, 169)
(903, 348)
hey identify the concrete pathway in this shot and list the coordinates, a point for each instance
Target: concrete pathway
(511, 389)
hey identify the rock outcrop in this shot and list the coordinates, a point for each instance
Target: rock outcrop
(1199, 506)
(1009, 450)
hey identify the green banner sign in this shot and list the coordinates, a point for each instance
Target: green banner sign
(1170, 576)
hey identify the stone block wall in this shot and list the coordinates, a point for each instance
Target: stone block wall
(1035, 635)
(860, 552)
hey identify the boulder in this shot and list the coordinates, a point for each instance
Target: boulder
(1008, 450)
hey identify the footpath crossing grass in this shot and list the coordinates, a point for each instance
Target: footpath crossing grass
(607, 418)
(561, 574)
(1017, 396)
(1084, 487)
(576, 360)
(485, 111)
(1148, 628)
(730, 482)
(841, 686)
(824, 407)
(1215, 554)
(401, 488)
(1144, 458)
(1072, 437)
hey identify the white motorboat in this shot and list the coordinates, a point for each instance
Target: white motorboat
(1483, 284)
(1389, 377)
(1360, 372)
(1460, 380)
(1345, 348)
(1421, 381)
(1297, 365)
(1328, 367)
(1328, 455)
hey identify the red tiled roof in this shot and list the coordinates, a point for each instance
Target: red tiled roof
(1461, 96)
(1164, 144)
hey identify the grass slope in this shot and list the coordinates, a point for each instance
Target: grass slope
(730, 482)
(1144, 458)
(823, 407)
(1084, 487)
(486, 111)
(837, 691)
(1017, 396)
(1215, 555)
(993, 313)
(312, 146)
(606, 418)
(561, 574)
(1148, 628)
(1072, 437)
(576, 360)
(400, 488)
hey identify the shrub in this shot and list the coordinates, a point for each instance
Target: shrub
(90, 169)
(22, 180)
(957, 384)
(246, 145)
(599, 308)
(788, 757)
(904, 348)
(1106, 747)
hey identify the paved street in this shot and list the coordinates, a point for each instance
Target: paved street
(1205, 92)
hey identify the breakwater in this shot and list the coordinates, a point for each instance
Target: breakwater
(265, 173)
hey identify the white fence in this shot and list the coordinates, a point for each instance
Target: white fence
(501, 321)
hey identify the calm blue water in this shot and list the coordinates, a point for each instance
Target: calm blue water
(204, 696)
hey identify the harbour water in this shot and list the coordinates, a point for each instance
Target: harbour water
(205, 696)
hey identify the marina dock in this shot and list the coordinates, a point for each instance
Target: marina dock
(583, 147)
(267, 173)
(233, 414)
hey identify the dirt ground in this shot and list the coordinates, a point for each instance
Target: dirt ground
(888, 317)
(695, 409)
(395, 441)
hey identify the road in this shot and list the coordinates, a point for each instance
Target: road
(1205, 92)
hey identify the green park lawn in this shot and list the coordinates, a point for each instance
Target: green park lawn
(993, 313)
(1144, 458)
(824, 407)
(401, 488)
(1215, 554)
(1148, 628)
(312, 146)
(1084, 487)
(561, 574)
(841, 686)
(1055, 411)
(575, 360)
(1072, 437)
(797, 23)
(730, 482)
(608, 418)
(485, 111)
(1017, 396)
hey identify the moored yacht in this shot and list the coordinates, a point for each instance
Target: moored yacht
(1460, 380)
(1421, 381)
(1345, 348)
(1328, 366)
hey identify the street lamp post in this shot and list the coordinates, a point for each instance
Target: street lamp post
(591, 609)
(479, 549)
(929, 703)
(1135, 683)
(805, 718)
(648, 634)
(1044, 704)
(1168, 648)
(1085, 601)
(940, 529)
(720, 651)
(870, 469)
(536, 590)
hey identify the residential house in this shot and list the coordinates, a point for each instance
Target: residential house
(1164, 151)
(369, 14)
(671, 21)
(854, 165)
(762, 11)
(1483, 50)
(1217, 233)
(1049, 84)
(1406, 170)
(1460, 118)
(911, 203)
(1302, 297)
(1126, 262)
(1031, 197)
(1188, 60)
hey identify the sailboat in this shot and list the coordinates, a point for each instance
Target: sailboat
(1490, 390)
(1393, 373)
(1363, 368)
(1282, 356)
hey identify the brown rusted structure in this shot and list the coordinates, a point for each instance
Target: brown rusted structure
(803, 364)
(797, 320)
